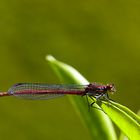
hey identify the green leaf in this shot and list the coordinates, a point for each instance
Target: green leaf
(128, 111)
(122, 135)
(95, 120)
(125, 119)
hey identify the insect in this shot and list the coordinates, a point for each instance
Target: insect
(37, 91)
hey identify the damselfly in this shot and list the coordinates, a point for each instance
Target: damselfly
(38, 91)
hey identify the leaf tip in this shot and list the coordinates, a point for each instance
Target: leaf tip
(49, 58)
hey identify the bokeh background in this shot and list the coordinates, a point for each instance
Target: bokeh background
(99, 38)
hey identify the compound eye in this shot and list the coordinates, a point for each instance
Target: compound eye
(111, 87)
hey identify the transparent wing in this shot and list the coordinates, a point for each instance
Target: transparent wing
(38, 96)
(37, 91)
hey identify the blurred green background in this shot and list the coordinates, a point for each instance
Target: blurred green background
(99, 38)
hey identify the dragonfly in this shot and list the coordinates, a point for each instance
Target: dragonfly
(42, 91)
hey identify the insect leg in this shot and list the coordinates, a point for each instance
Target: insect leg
(87, 101)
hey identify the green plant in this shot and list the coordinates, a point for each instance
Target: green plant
(97, 122)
